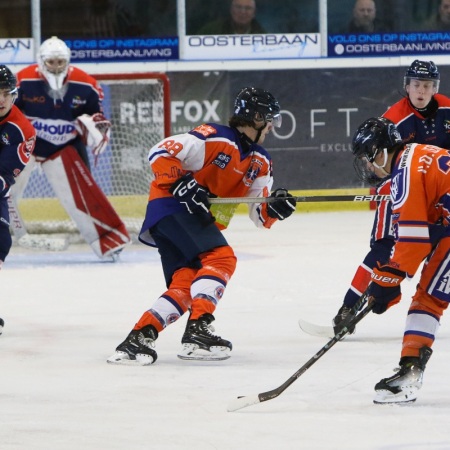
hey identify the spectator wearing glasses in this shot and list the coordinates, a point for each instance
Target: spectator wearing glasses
(240, 21)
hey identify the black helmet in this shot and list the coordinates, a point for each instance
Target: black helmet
(372, 136)
(7, 79)
(257, 104)
(422, 70)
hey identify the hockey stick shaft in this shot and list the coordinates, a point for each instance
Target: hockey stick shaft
(303, 199)
(242, 402)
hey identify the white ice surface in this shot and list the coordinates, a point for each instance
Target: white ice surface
(66, 312)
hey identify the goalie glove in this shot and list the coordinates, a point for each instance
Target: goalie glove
(283, 207)
(191, 194)
(385, 287)
(95, 131)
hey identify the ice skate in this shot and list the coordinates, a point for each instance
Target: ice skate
(343, 316)
(137, 349)
(2, 324)
(404, 386)
(199, 342)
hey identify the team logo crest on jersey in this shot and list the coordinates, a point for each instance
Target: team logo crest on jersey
(77, 102)
(205, 130)
(252, 172)
(5, 139)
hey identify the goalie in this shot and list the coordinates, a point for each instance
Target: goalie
(64, 104)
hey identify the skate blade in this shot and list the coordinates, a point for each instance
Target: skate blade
(388, 398)
(193, 352)
(121, 358)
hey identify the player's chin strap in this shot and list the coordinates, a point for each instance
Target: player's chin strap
(259, 130)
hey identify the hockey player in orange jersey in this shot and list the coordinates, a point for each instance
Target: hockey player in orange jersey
(420, 193)
(210, 160)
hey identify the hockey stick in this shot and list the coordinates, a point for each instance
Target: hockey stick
(305, 199)
(244, 401)
(34, 241)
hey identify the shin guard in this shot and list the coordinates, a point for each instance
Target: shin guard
(85, 203)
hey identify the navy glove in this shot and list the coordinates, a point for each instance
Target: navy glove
(283, 207)
(384, 290)
(191, 194)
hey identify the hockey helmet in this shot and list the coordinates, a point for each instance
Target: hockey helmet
(422, 70)
(7, 80)
(255, 104)
(53, 61)
(374, 135)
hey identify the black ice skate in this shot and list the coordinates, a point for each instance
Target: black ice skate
(137, 349)
(2, 324)
(405, 384)
(341, 319)
(199, 342)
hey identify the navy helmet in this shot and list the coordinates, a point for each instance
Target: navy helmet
(255, 104)
(7, 79)
(422, 70)
(374, 135)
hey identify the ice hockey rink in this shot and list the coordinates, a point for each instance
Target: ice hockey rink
(66, 312)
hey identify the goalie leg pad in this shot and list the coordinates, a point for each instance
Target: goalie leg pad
(85, 203)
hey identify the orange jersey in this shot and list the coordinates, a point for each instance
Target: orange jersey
(420, 191)
(220, 161)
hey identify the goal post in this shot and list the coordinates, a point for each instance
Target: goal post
(138, 106)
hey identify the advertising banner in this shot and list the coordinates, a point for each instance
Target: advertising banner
(388, 44)
(321, 110)
(17, 51)
(123, 49)
(252, 46)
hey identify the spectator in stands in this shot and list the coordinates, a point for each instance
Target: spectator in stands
(441, 20)
(364, 19)
(240, 21)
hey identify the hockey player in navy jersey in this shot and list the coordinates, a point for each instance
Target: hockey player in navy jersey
(422, 116)
(17, 141)
(64, 104)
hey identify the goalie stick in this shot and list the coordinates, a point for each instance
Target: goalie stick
(303, 199)
(33, 241)
(244, 401)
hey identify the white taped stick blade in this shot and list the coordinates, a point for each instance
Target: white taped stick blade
(316, 330)
(242, 402)
(43, 242)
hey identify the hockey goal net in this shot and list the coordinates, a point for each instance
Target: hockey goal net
(138, 106)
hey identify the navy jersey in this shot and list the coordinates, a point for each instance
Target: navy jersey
(55, 118)
(17, 141)
(413, 127)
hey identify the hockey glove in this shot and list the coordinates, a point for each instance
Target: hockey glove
(95, 131)
(191, 194)
(385, 287)
(283, 207)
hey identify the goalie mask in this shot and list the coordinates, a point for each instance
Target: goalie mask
(424, 71)
(53, 61)
(257, 105)
(7, 80)
(373, 136)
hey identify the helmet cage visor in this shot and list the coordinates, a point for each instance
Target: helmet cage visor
(365, 170)
(274, 118)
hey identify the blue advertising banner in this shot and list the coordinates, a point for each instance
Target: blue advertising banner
(123, 49)
(388, 44)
